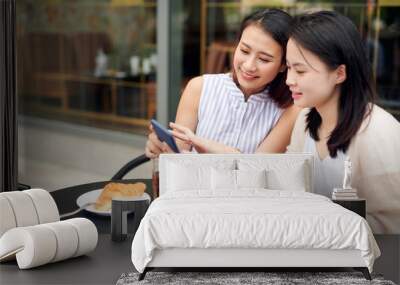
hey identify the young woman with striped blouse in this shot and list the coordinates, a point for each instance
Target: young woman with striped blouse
(248, 110)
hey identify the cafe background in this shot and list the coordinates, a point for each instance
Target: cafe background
(92, 73)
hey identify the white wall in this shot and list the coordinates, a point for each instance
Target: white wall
(53, 155)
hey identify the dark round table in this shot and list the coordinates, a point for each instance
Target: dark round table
(66, 202)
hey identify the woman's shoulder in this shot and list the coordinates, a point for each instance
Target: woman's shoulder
(199, 85)
(379, 131)
(195, 82)
(301, 119)
(216, 85)
(303, 115)
(299, 132)
(192, 93)
(379, 121)
(377, 143)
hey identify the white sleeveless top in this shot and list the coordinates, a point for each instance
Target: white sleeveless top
(226, 117)
(328, 172)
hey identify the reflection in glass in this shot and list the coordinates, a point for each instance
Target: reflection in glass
(89, 62)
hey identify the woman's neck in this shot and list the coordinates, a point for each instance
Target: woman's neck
(248, 92)
(329, 113)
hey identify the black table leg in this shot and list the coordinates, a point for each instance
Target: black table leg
(119, 213)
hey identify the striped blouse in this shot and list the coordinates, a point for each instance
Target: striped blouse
(226, 117)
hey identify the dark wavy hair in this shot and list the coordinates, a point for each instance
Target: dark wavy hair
(277, 24)
(336, 41)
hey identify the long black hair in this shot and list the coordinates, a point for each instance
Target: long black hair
(277, 24)
(336, 41)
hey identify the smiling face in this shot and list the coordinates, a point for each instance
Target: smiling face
(310, 80)
(257, 60)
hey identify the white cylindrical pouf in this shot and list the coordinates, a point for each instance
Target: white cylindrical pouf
(37, 245)
(87, 235)
(40, 244)
(7, 217)
(24, 210)
(45, 205)
(67, 239)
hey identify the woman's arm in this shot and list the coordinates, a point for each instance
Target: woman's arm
(279, 137)
(186, 115)
(201, 145)
(276, 141)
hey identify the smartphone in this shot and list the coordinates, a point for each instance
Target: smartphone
(164, 135)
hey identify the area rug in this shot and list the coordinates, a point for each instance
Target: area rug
(229, 278)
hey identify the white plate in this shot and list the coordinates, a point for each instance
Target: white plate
(91, 197)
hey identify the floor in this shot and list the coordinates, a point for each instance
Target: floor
(53, 155)
(57, 175)
(389, 262)
(110, 260)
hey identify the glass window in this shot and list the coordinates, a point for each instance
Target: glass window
(383, 40)
(86, 83)
(89, 62)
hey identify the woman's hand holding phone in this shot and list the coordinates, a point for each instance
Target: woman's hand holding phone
(154, 146)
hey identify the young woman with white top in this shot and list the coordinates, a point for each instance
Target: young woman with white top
(329, 75)
(248, 110)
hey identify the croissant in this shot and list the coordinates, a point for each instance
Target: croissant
(113, 190)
